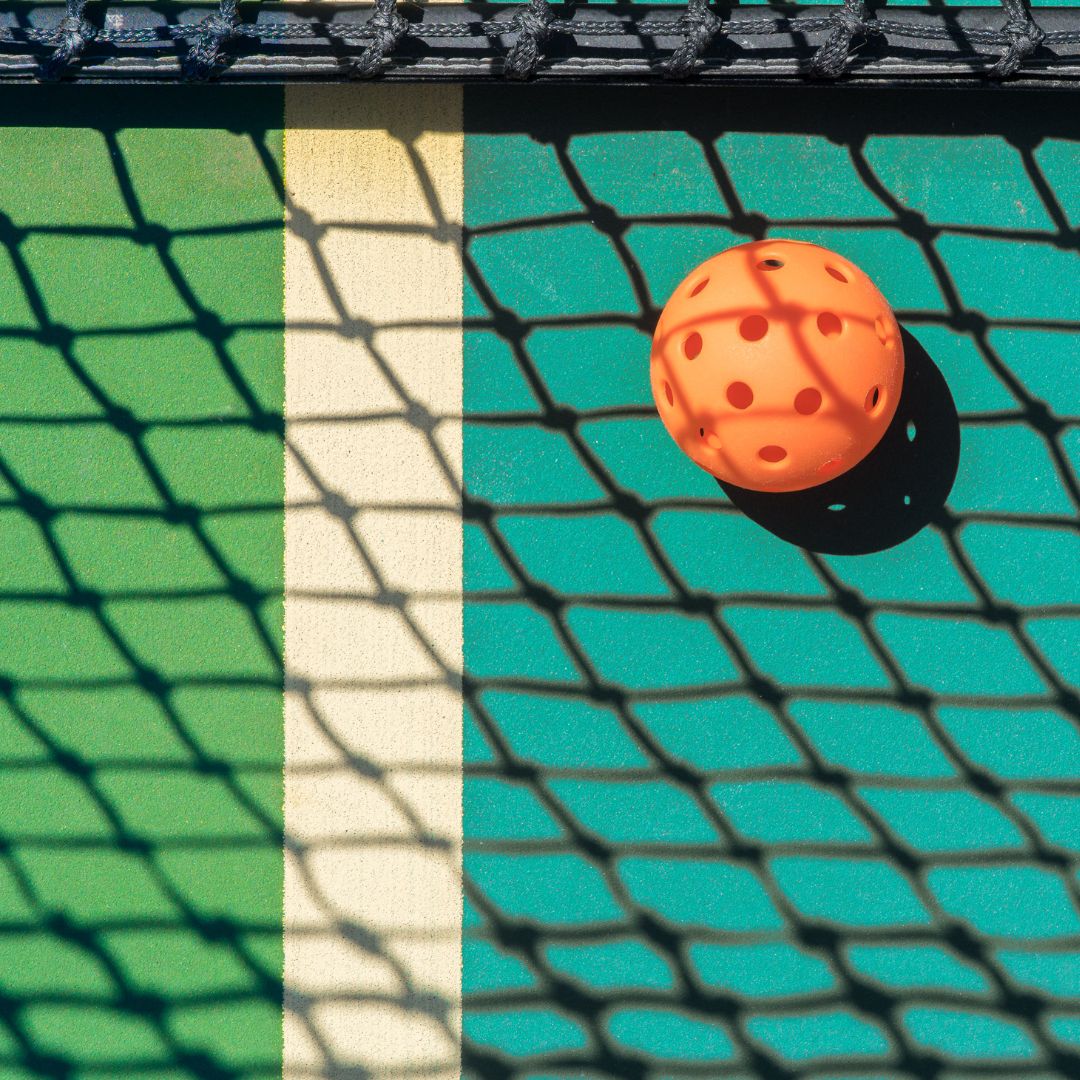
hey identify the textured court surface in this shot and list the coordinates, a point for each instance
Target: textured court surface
(733, 808)
(140, 593)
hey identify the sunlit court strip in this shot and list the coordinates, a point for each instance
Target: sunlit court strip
(373, 582)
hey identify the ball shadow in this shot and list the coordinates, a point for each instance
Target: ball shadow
(892, 493)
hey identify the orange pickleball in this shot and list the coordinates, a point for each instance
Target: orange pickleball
(777, 365)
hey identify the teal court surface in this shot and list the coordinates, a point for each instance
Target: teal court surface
(733, 808)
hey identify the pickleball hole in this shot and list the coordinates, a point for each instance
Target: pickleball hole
(770, 264)
(699, 286)
(873, 399)
(836, 507)
(829, 324)
(911, 431)
(691, 347)
(882, 330)
(772, 454)
(701, 432)
(740, 396)
(907, 500)
(832, 271)
(668, 393)
(808, 401)
(753, 327)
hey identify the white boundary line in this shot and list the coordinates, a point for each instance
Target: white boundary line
(373, 581)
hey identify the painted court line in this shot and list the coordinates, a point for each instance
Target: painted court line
(373, 581)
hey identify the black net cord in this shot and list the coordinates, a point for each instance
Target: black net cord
(385, 29)
(1024, 37)
(72, 35)
(850, 25)
(537, 39)
(534, 25)
(699, 27)
(208, 48)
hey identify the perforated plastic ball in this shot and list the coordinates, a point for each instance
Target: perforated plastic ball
(777, 365)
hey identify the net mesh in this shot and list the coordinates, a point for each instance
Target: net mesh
(520, 41)
(734, 808)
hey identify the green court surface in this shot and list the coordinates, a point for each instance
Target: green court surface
(733, 808)
(141, 359)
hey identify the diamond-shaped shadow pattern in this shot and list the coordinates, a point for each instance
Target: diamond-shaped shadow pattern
(734, 808)
(140, 590)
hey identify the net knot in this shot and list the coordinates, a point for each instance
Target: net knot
(213, 34)
(72, 33)
(853, 23)
(1025, 36)
(849, 25)
(534, 25)
(699, 26)
(385, 29)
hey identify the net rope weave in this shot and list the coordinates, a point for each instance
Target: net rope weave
(822, 43)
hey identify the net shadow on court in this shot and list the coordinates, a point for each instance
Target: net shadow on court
(890, 496)
(578, 1026)
(136, 940)
(651, 892)
(141, 671)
